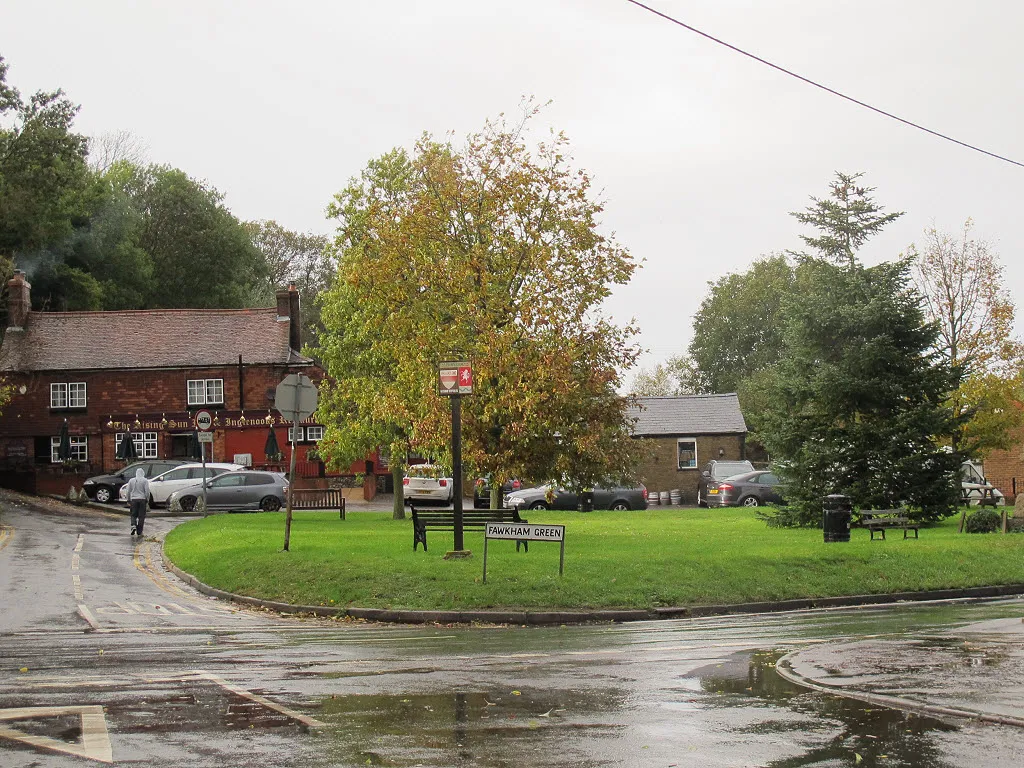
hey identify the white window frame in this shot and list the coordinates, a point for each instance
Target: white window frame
(298, 434)
(679, 444)
(147, 444)
(71, 394)
(205, 391)
(314, 430)
(79, 448)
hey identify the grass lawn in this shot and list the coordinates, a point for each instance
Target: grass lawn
(612, 560)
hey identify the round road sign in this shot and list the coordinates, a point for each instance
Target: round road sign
(204, 420)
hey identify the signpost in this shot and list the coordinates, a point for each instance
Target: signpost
(526, 532)
(204, 423)
(455, 379)
(295, 399)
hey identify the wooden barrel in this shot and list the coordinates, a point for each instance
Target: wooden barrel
(652, 498)
(676, 496)
(664, 498)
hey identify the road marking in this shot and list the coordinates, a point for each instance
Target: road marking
(76, 561)
(95, 740)
(86, 614)
(77, 581)
(6, 534)
(81, 541)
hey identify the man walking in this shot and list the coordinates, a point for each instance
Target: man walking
(138, 500)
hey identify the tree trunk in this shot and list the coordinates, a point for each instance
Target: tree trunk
(397, 475)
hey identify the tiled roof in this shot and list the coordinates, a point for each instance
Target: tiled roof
(159, 338)
(688, 415)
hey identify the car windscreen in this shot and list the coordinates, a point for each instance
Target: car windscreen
(725, 469)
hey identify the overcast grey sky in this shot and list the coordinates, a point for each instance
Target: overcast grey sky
(700, 152)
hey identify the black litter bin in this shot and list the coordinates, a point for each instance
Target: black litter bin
(586, 503)
(836, 513)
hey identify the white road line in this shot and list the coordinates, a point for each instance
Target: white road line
(95, 743)
(86, 614)
(311, 722)
(81, 541)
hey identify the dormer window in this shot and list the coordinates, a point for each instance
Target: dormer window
(68, 395)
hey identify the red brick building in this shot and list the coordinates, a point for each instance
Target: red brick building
(145, 373)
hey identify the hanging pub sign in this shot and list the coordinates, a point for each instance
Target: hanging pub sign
(454, 378)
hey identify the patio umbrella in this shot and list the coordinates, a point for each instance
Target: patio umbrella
(126, 450)
(64, 447)
(195, 448)
(272, 449)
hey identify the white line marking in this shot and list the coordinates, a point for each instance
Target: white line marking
(81, 541)
(311, 722)
(87, 615)
(95, 742)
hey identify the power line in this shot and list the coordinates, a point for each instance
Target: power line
(822, 87)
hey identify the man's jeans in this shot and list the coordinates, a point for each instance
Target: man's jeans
(139, 508)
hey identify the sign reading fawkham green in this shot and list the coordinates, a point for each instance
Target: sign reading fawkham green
(526, 532)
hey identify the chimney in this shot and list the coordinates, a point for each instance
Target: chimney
(288, 311)
(19, 300)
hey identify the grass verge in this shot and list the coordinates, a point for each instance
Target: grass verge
(612, 560)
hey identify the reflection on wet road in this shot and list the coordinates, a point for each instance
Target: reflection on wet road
(167, 676)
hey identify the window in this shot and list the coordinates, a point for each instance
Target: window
(258, 478)
(228, 481)
(686, 450)
(79, 449)
(298, 434)
(206, 391)
(176, 474)
(314, 434)
(145, 444)
(68, 395)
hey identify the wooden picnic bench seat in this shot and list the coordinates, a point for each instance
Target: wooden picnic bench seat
(880, 520)
(319, 498)
(473, 519)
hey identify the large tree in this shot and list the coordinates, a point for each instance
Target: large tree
(490, 251)
(43, 173)
(961, 280)
(856, 403)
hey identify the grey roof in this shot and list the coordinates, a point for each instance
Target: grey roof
(159, 338)
(686, 415)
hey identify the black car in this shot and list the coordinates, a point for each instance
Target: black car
(718, 470)
(104, 488)
(482, 492)
(751, 489)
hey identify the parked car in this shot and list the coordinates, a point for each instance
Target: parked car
(718, 470)
(428, 482)
(482, 492)
(162, 486)
(750, 489)
(105, 488)
(619, 498)
(237, 491)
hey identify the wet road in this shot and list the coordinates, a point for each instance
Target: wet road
(107, 658)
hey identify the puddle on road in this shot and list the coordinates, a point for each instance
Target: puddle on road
(879, 735)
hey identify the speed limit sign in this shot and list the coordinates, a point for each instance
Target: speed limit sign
(204, 420)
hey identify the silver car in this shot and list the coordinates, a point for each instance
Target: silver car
(617, 498)
(242, 490)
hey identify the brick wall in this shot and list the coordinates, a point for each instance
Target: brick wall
(1005, 469)
(660, 471)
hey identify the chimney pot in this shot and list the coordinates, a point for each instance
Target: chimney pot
(19, 300)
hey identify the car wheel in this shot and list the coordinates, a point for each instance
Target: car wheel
(750, 501)
(188, 503)
(539, 505)
(270, 503)
(104, 494)
(620, 506)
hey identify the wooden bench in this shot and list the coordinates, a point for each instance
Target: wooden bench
(880, 520)
(472, 519)
(319, 498)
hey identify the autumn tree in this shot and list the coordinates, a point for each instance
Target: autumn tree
(961, 280)
(492, 251)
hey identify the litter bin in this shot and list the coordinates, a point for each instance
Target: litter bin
(836, 513)
(586, 501)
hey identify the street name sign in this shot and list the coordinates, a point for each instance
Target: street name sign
(526, 532)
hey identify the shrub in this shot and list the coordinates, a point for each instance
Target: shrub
(790, 517)
(984, 521)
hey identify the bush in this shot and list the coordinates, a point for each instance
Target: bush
(984, 521)
(790, 517)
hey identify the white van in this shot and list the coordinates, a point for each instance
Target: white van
(162, 486)
(974, 487)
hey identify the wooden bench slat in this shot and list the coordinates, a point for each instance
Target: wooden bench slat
(319, 498)
(444, 520)
(880, 520)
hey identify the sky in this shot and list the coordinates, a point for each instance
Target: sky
(699, 153)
